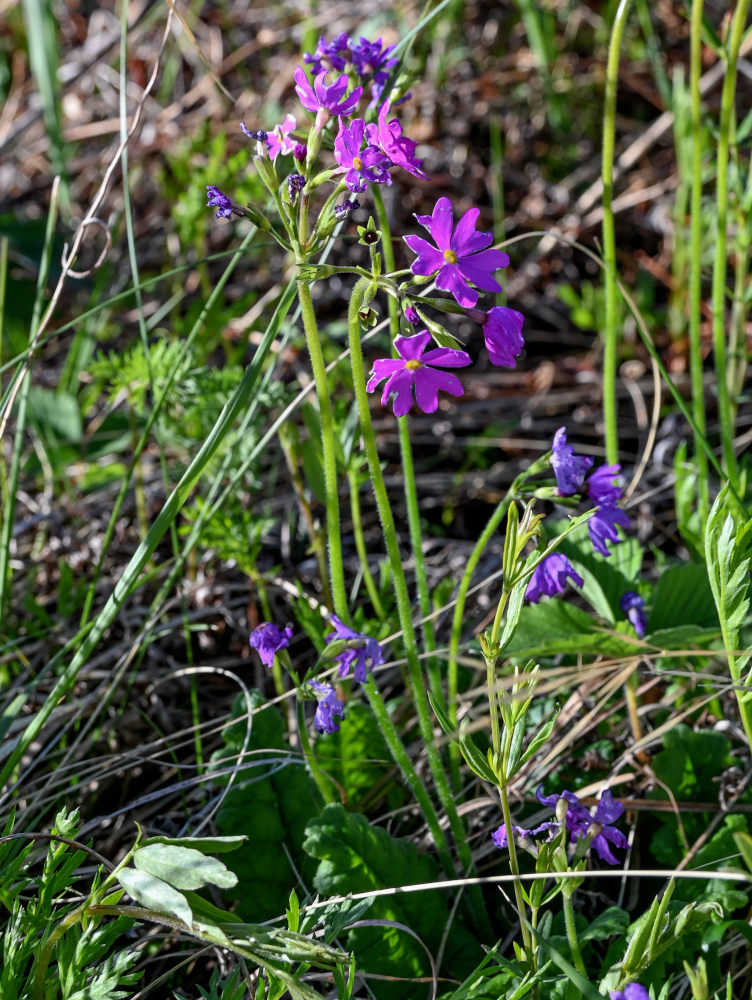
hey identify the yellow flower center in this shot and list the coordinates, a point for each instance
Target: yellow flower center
(357, 163)
(413, 365)
(450, 256)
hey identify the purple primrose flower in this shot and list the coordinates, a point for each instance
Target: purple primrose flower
(632, 991)
(550, 578)
(361, 167)
(602, 527)
(219, 201)
(460, 255)
(502, 332)
(411, 315)
(329, 705)
(330, 55)
(601, 487)
(325, 100)
(580, 822)
(362, 655)
(499, 837)
(633, 607)
(279, 139)
(268, 639)
(373, 59)
(570, 469)
(415, 369)
(389, 138)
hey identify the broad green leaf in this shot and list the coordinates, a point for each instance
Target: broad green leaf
(683, 597)
(743, 843)
(183, 867)
(606, 580)
(554, 626)
(684, 637)
(608, 924)
(207, 845)
(155, 894)
(57, 412)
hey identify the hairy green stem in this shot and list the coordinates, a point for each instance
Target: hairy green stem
(514, 867)
(360, 544)
(726, 126)
(323, 783)
(569, 923)
(611, 330)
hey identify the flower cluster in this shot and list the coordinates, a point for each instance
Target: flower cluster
(579, 823)
(368, 60)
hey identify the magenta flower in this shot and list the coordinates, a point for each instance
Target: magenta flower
(362, 653)
(632, 991)
(460, 255)
(633, 607)
(389, 138)
(550, 578)
(279, 140)
(268, 639)
(570, 469)
(414, 369)
(502, 332)
(329, 705)
(325, 100)
(602, 527)
(361, 167)
(601, 487)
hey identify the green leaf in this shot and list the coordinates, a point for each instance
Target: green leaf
(57, 412)
(443, 719)
(608, 924)
(207, 845)
(155, 894)
(473, 755)
(606, 580)
(513, 612)
(683, 597)
(183, 867)
(743, 843)
(554, 626)
(540, 738)
(727, 548)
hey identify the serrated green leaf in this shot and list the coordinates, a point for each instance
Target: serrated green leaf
(183, 867)
(155, 894)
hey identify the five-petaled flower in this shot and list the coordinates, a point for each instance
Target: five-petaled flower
(325, 99)
(632, 991)
(580, 823)
(280, 139)
(633, 607)
(461, 254)
(550, 577)
(570, 469)
(414, 369)
(362, 653)
(268, 639)
(361, 167)
(329, 705)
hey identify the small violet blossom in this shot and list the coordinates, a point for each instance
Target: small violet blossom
(362, 655)
(602, 527)
(219, 201)
(500, 839)
(342, 210)
(279, 139)
(550, 577)
(268, 639)
(461, 254)
(633, 607)
(411, 315)
(325, 100)
(632, 991)
(329, 705)
(502, 332)
(414, 369)
(361, 167)
(389, 138)
(570, 469)
(580, 822)
(601, 487)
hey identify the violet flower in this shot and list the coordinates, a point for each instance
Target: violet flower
(602, 527)
(633, 607)
(361, 167)
(411, 315)
(279, 139)
(362, 654)
(389, 138)
(460, 255)
(330, 55)
(632, 991)
(570, 469)
(550, 577)
(325, 100)
(219, 201)
(373, 59)
(342, 210)
(268, 639)
(500, 839)
(502, 332)
(414, 369)
(329, 705)
(580, 822)
(601, 487)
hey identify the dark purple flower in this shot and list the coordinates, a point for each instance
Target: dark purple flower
(219, 201)
(373, 59)
(601, 487)
(550, 578)
(499, 837)
(361, 167)
(502, 332)
(342, 210)
(633, 607)
(259, 135)
(570, 469)
(580, 822)
(362, 652)
(389, 138)
(460, 255)
(329, 705)
(300, 152)
(415, 369)
(324, 99)
(330, 55)
(295, 184)
(411, 315)
(279, 139)
(632, 991)
(268, 639)
(602, 527)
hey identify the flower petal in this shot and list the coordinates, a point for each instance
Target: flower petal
(429, 258)
(411, 348)
(449, 279)
(447, 357)
(428, 381)
(439, 224)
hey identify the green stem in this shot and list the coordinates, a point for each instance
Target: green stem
(323, 783)
(360, 544)
(514, 867)
(726, 126)
(404, 608)
(611, 329)
(695, 260)
(318, 365)
(48, 946)
(574, 944)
